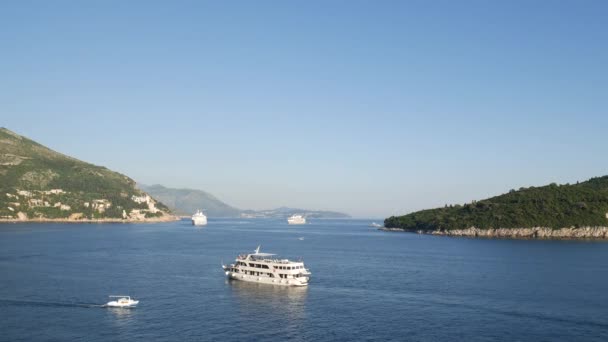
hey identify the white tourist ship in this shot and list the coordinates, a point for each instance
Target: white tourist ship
(296, 219)
(263, 268)
(199, 219)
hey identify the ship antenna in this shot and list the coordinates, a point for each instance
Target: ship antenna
(257, 250)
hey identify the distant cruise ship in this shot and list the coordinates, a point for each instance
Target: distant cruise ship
(261, 268)
(199, 219)
(296, 219)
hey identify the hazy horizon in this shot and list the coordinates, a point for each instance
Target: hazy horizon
(369, 108)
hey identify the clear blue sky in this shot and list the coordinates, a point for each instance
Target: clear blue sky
(374, 108)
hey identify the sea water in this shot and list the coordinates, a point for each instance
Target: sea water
(365, 285)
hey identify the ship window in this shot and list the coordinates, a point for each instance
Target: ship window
(251, 265)
(264, 266)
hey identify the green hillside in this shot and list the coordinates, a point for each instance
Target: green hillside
(553, 206)
(37, 183)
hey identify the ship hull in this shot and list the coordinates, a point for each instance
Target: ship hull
(266, 280)
(199, 222)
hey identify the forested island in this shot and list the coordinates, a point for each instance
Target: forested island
(553, 211)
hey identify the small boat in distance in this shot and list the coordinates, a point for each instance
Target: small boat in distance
(375, 225)
(296, 219)
(122, 302)
(199, 219)
(263, 268)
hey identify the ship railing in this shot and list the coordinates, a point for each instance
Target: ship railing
(276, 261)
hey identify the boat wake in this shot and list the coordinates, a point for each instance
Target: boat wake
(16, 302)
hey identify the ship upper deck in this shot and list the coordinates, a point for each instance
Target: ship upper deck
(266, 258)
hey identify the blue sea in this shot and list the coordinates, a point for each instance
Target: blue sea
(367, 285)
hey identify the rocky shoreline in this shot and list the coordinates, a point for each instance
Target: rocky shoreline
(168, 218)
(518, 233)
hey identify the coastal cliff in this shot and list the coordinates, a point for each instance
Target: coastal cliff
(165, 218)
(38, 184)
(518, 233)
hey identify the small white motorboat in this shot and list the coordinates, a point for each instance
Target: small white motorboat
(122, 302)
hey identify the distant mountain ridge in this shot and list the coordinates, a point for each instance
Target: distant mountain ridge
(185, 201)
(285, 212)
(37, 183)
